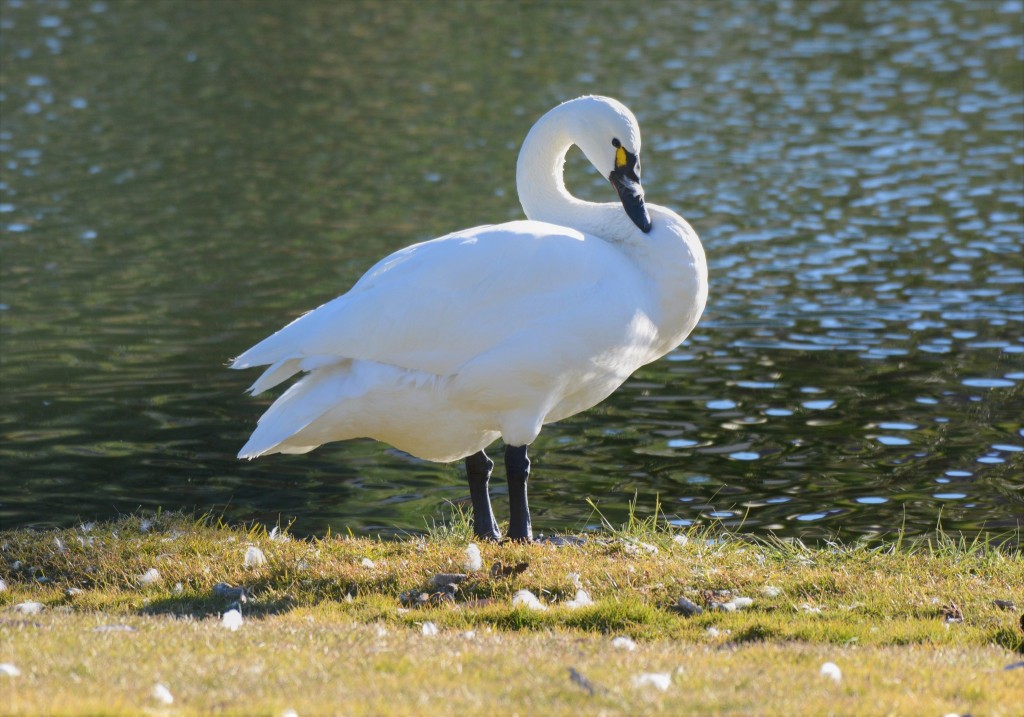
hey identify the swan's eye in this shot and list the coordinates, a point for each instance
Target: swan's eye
(616, 143)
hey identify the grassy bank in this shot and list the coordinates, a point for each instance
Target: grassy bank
(93, 619)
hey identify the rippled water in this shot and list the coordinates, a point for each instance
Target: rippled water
(180, 179)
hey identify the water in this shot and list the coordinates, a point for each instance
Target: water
(180, 179)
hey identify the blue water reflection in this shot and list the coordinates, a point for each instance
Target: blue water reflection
(178, 179)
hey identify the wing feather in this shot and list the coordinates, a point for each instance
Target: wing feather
(436, 305)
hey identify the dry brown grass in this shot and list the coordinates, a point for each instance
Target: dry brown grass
(327, 633)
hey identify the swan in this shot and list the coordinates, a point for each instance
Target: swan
(445, 346)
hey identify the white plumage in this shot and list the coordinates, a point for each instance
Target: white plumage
(447, 345)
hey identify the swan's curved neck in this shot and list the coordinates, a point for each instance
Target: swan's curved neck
(540, 183)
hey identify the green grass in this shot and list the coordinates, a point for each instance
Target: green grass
(327, 633)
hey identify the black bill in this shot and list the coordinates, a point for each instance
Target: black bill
(626, 182)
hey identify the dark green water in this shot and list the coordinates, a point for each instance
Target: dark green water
(179, 179)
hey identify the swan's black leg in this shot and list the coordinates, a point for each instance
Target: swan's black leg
(517, 468)
(478, 471)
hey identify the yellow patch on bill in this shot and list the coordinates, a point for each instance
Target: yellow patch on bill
(620, 158)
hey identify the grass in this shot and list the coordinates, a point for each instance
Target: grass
(334, 625)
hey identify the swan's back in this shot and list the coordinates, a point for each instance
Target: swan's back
(435, 306)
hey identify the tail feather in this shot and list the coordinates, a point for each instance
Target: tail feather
(277, 373)
(279, 346)
(295, 409)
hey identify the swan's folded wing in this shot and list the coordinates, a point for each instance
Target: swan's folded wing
(436, 305)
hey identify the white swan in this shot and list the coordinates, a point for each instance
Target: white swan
(490, 332)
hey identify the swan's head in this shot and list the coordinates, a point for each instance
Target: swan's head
(609, 136)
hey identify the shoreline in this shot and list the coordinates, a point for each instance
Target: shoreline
(93, 619)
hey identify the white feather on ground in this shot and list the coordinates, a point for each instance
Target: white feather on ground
(525, 598)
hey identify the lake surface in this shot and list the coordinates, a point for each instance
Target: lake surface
(180, 179)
